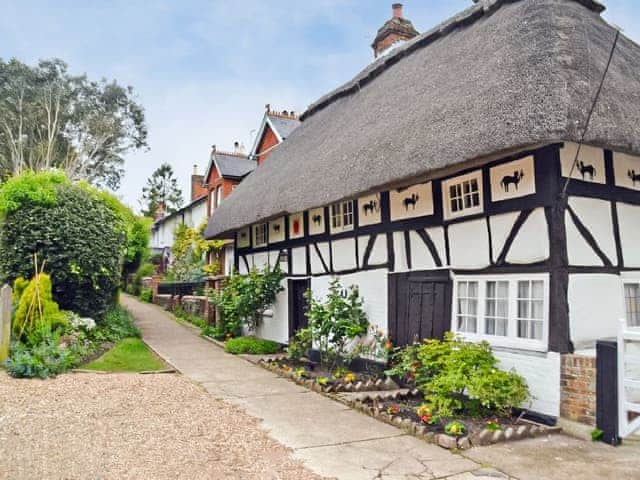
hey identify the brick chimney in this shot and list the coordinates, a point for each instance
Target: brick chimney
(394, 32)
(197, 187)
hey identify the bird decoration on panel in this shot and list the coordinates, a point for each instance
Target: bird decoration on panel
(514, 179)
(276, 227)
(635, 177)
(586, 169)
(317, 219)
(411, 201)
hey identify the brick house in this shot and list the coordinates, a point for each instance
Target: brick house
(275, 127)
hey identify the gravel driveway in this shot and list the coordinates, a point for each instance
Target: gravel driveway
(115, 426)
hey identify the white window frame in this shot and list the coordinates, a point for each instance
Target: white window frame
(446, 195)
(265, 234)
(219, 196)
(511, 340)
(628, 279)
(339, 212)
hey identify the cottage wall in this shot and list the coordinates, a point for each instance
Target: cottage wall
(515, 228)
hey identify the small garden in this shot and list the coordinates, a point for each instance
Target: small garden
(450, 390)
(64, 247)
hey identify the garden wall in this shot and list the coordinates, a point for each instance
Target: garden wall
(578, 389)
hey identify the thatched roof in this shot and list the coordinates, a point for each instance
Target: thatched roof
(501, 75)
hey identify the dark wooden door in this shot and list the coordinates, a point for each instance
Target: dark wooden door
(297, 305)
(419, 306)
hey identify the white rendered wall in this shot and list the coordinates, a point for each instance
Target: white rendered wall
(542, 373)
(595, 215)
(596, 303)
(344, 254)
(469, 244)
(532, 242)
(275, 325)
(629, 221)
(373, 289)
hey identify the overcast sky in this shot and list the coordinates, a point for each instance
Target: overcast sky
(204, 69)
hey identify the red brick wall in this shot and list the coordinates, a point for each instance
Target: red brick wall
(214, 181)
(268, 140)
(387, 41)
(578, 389)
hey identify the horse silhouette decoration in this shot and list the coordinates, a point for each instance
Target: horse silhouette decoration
(317, 219)
(412, 200)
(276, 227)
(586, 169)
(370, 207)
(635, 177)
(514, 180)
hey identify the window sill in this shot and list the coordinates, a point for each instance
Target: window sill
(539, 346)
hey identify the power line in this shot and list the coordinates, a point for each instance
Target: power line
(593, 107)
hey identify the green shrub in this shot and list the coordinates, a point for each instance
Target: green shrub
(44, 360)
(146, 295)
(73, 230)
(252, 345)
(335, 322)
(36, 313)
(117, 324)
(243, 298)
(456, 376)
(300, 344)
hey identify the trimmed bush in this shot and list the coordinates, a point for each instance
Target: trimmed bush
(72, 229)
(251, 345)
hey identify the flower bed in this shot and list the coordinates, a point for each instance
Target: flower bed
(318, 378)
(402, 410)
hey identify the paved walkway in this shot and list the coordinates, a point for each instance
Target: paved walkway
(337, 442)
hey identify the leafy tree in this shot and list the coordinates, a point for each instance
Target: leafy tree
(189, 252)
(161, 189)
(52, 119)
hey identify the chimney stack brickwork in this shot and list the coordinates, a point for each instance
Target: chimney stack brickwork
(397, 29)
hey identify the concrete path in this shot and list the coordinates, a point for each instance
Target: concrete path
(333, 440)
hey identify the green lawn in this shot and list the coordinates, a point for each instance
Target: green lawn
(129, 355)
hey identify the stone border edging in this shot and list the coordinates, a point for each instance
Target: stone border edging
(359, 403)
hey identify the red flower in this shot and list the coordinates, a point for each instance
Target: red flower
(425, 418)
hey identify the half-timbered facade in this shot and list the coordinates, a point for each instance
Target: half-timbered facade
(489, 223)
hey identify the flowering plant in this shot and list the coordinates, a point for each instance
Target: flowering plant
(393, 410)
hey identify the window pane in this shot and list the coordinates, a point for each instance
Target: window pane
(503, 289)
(490, 326)
(537, 288)
(632, 301)
(523, 289)
(473, 290)
(476, 199)
(491, 289)
(536, 309)
(453, 191)
(523, 309)
(462, 289)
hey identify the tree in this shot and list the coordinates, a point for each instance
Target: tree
(51, 119)
(161, 189)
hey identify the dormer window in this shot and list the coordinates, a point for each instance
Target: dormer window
(260, 234)
(342, 216)
(463, 195)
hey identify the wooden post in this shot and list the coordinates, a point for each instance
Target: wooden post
(5, 322)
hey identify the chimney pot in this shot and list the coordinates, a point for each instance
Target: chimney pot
(195, 170)
(397, 10)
